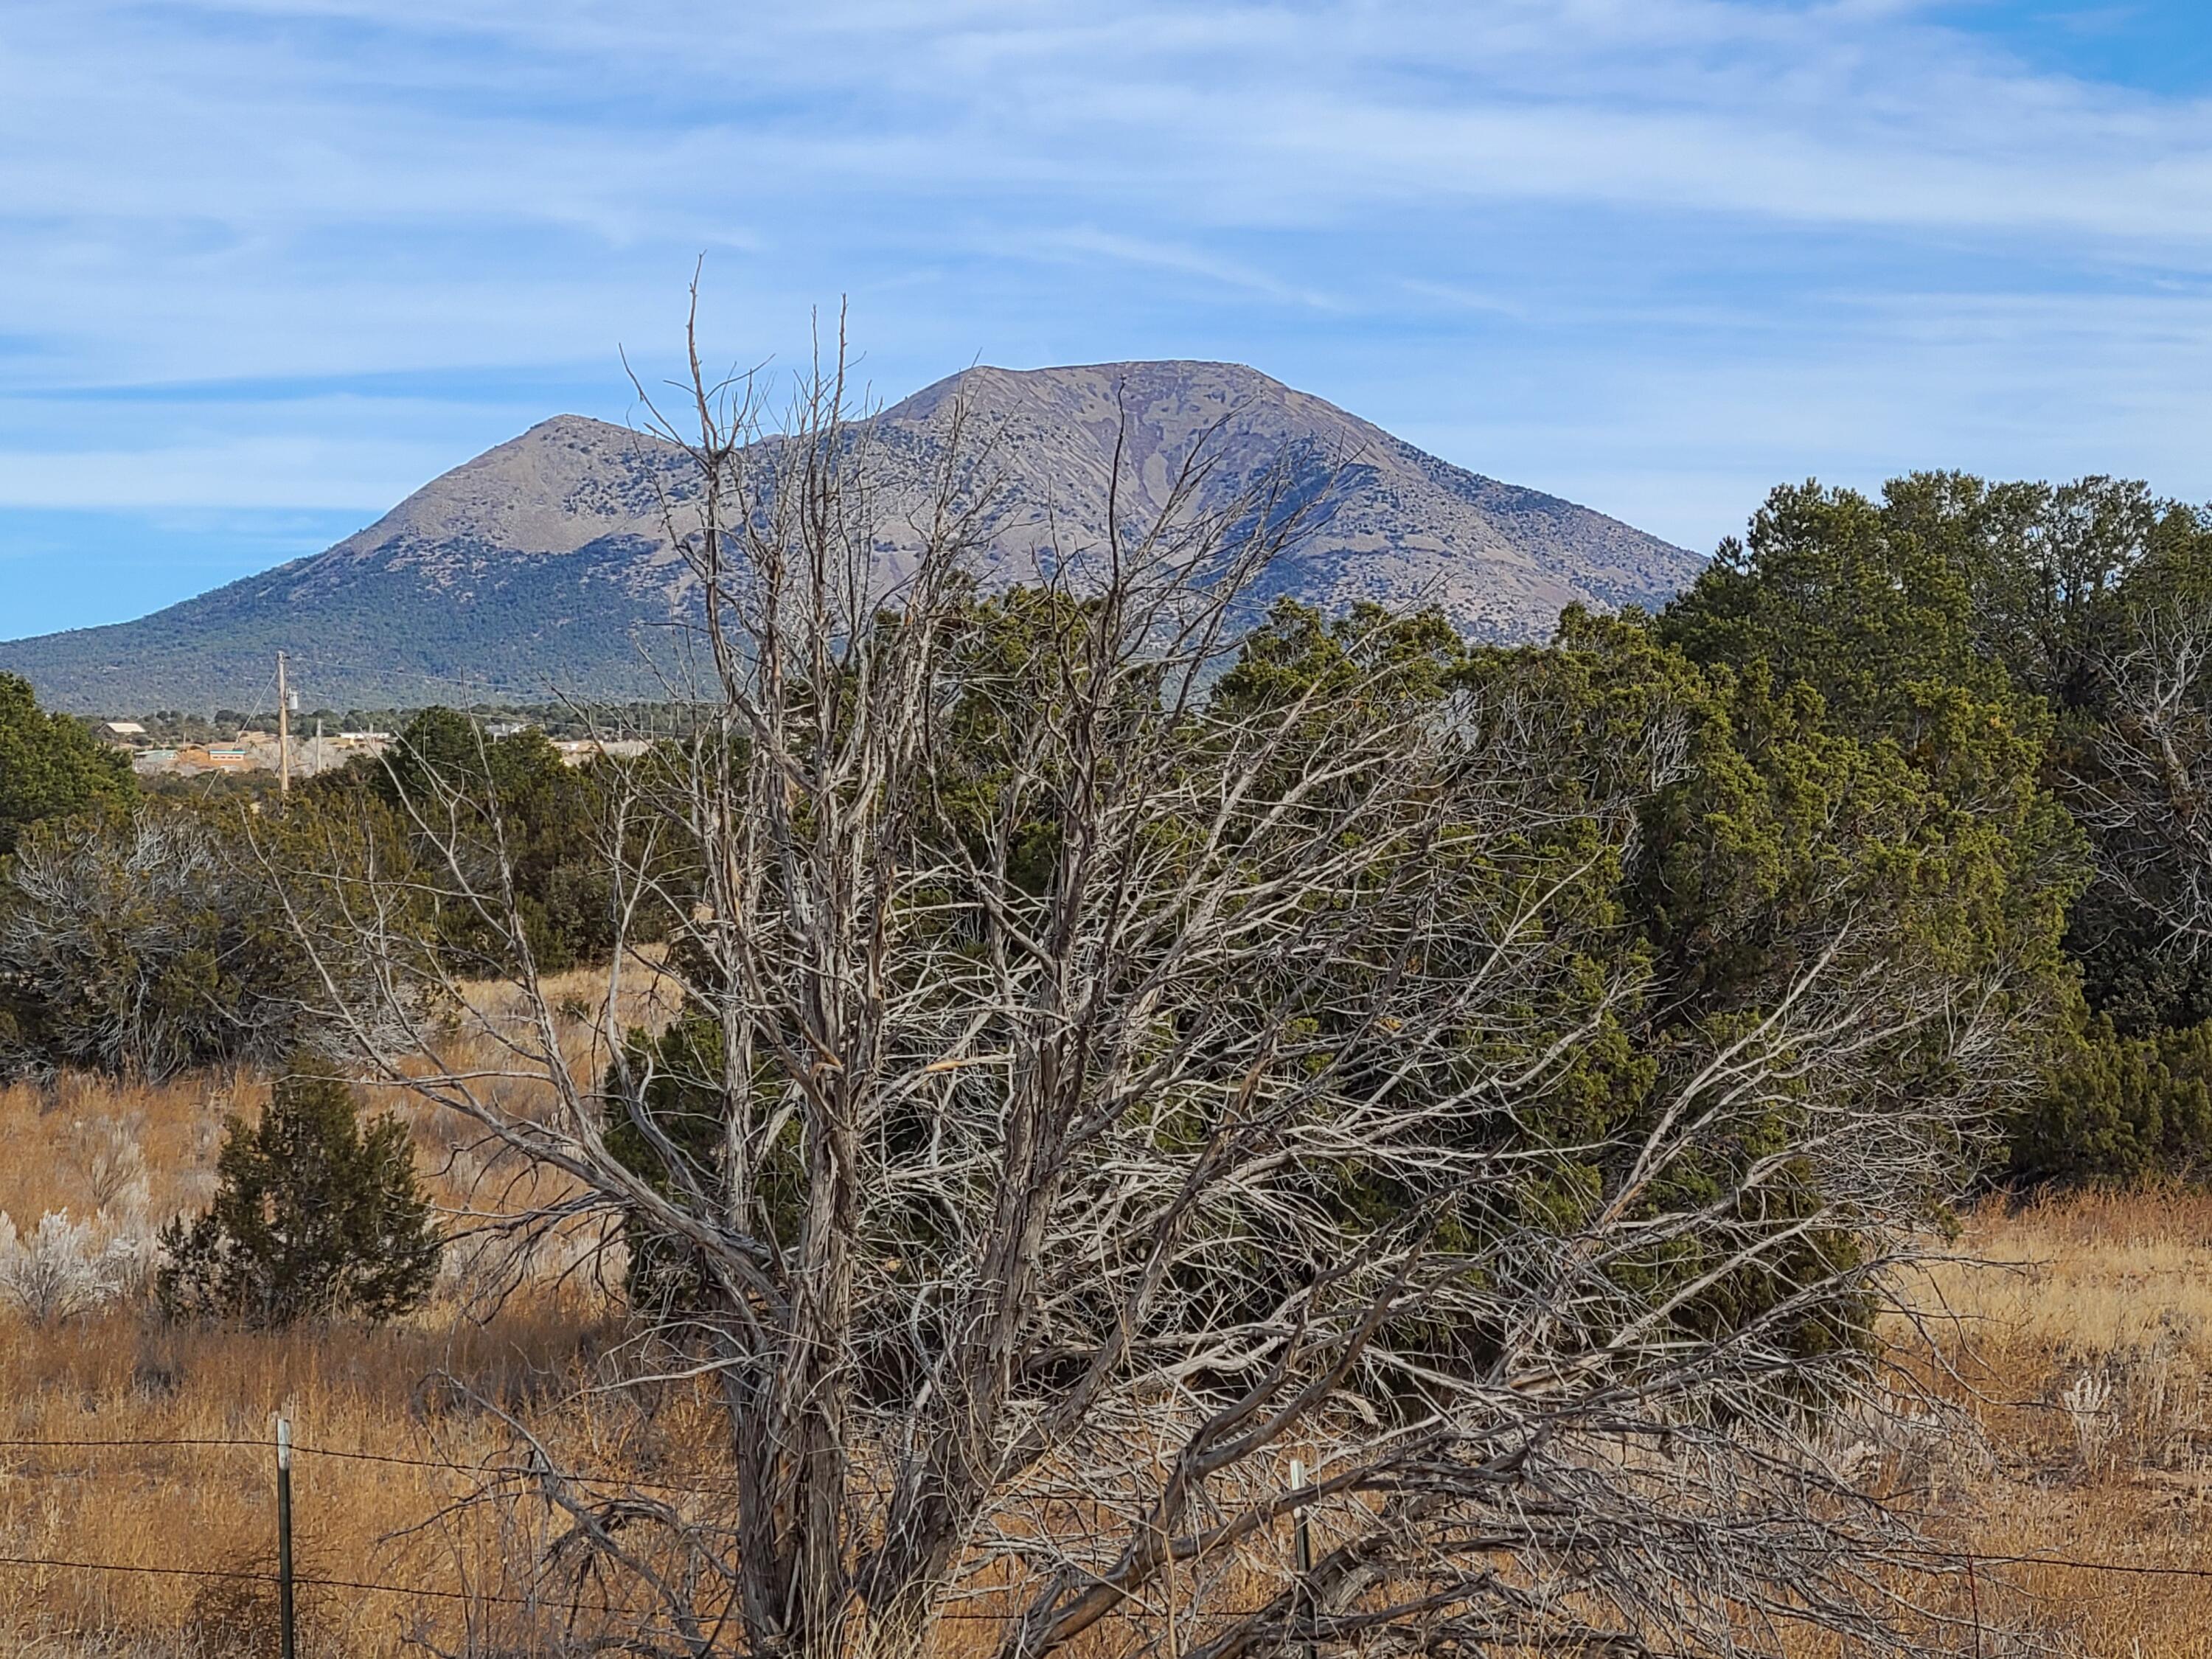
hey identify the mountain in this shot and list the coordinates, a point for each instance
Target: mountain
(543, 565)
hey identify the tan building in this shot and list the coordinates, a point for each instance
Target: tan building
(218, 757)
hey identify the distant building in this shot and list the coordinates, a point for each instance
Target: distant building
(128, 733)
(575, 751)
(217, 757)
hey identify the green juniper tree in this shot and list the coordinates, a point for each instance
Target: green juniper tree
(316, 1217)
(50, 764)
(2036, 655)
(472, 803)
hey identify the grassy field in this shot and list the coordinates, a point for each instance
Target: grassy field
(396, 1425)
(2081, 1358)
(2077, 1351)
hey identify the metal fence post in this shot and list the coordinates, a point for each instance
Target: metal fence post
(286, 1634)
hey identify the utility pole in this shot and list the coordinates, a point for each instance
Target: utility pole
(284, 731)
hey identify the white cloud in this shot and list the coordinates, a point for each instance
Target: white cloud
(626, 123)
(1088, 242)
(1574, 242)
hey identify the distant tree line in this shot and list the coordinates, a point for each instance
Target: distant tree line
(1975, 718)
(151, 932)
(174, 727)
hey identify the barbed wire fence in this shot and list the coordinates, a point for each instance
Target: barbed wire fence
(285, 1580)
(1970, 1560)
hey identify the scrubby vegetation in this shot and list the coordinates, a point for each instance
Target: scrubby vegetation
(149, 934)
(1911, 703)
(50, 765)
(1499, 1075)
(1118, 1045)
(2076, 1428)
(2048, 623)
(315, 1217)
(145, 941)
(465, 803)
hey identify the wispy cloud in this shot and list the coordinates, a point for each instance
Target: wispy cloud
(1582, 243)
(1090, 243)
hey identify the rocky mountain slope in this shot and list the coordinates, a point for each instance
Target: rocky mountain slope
(543, 565)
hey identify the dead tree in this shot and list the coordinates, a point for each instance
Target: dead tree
(2143, 787)
(1114, 1090)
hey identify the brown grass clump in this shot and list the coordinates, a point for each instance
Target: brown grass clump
(61, 1140)
(209, 1507)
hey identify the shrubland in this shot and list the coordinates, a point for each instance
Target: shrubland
(50, 764)
(1125, 1046)
(1023, 1069)
(2076, 1345)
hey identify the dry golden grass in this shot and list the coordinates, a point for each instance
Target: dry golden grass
(51, 1137)
(2082, 1356)
(210, 1507)
(2078, 1348)
(435, 1388)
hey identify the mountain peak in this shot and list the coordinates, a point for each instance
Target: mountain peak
(568, 428)
(544, 564)
(993, 390)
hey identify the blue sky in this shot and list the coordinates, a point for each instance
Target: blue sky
(266, 266)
